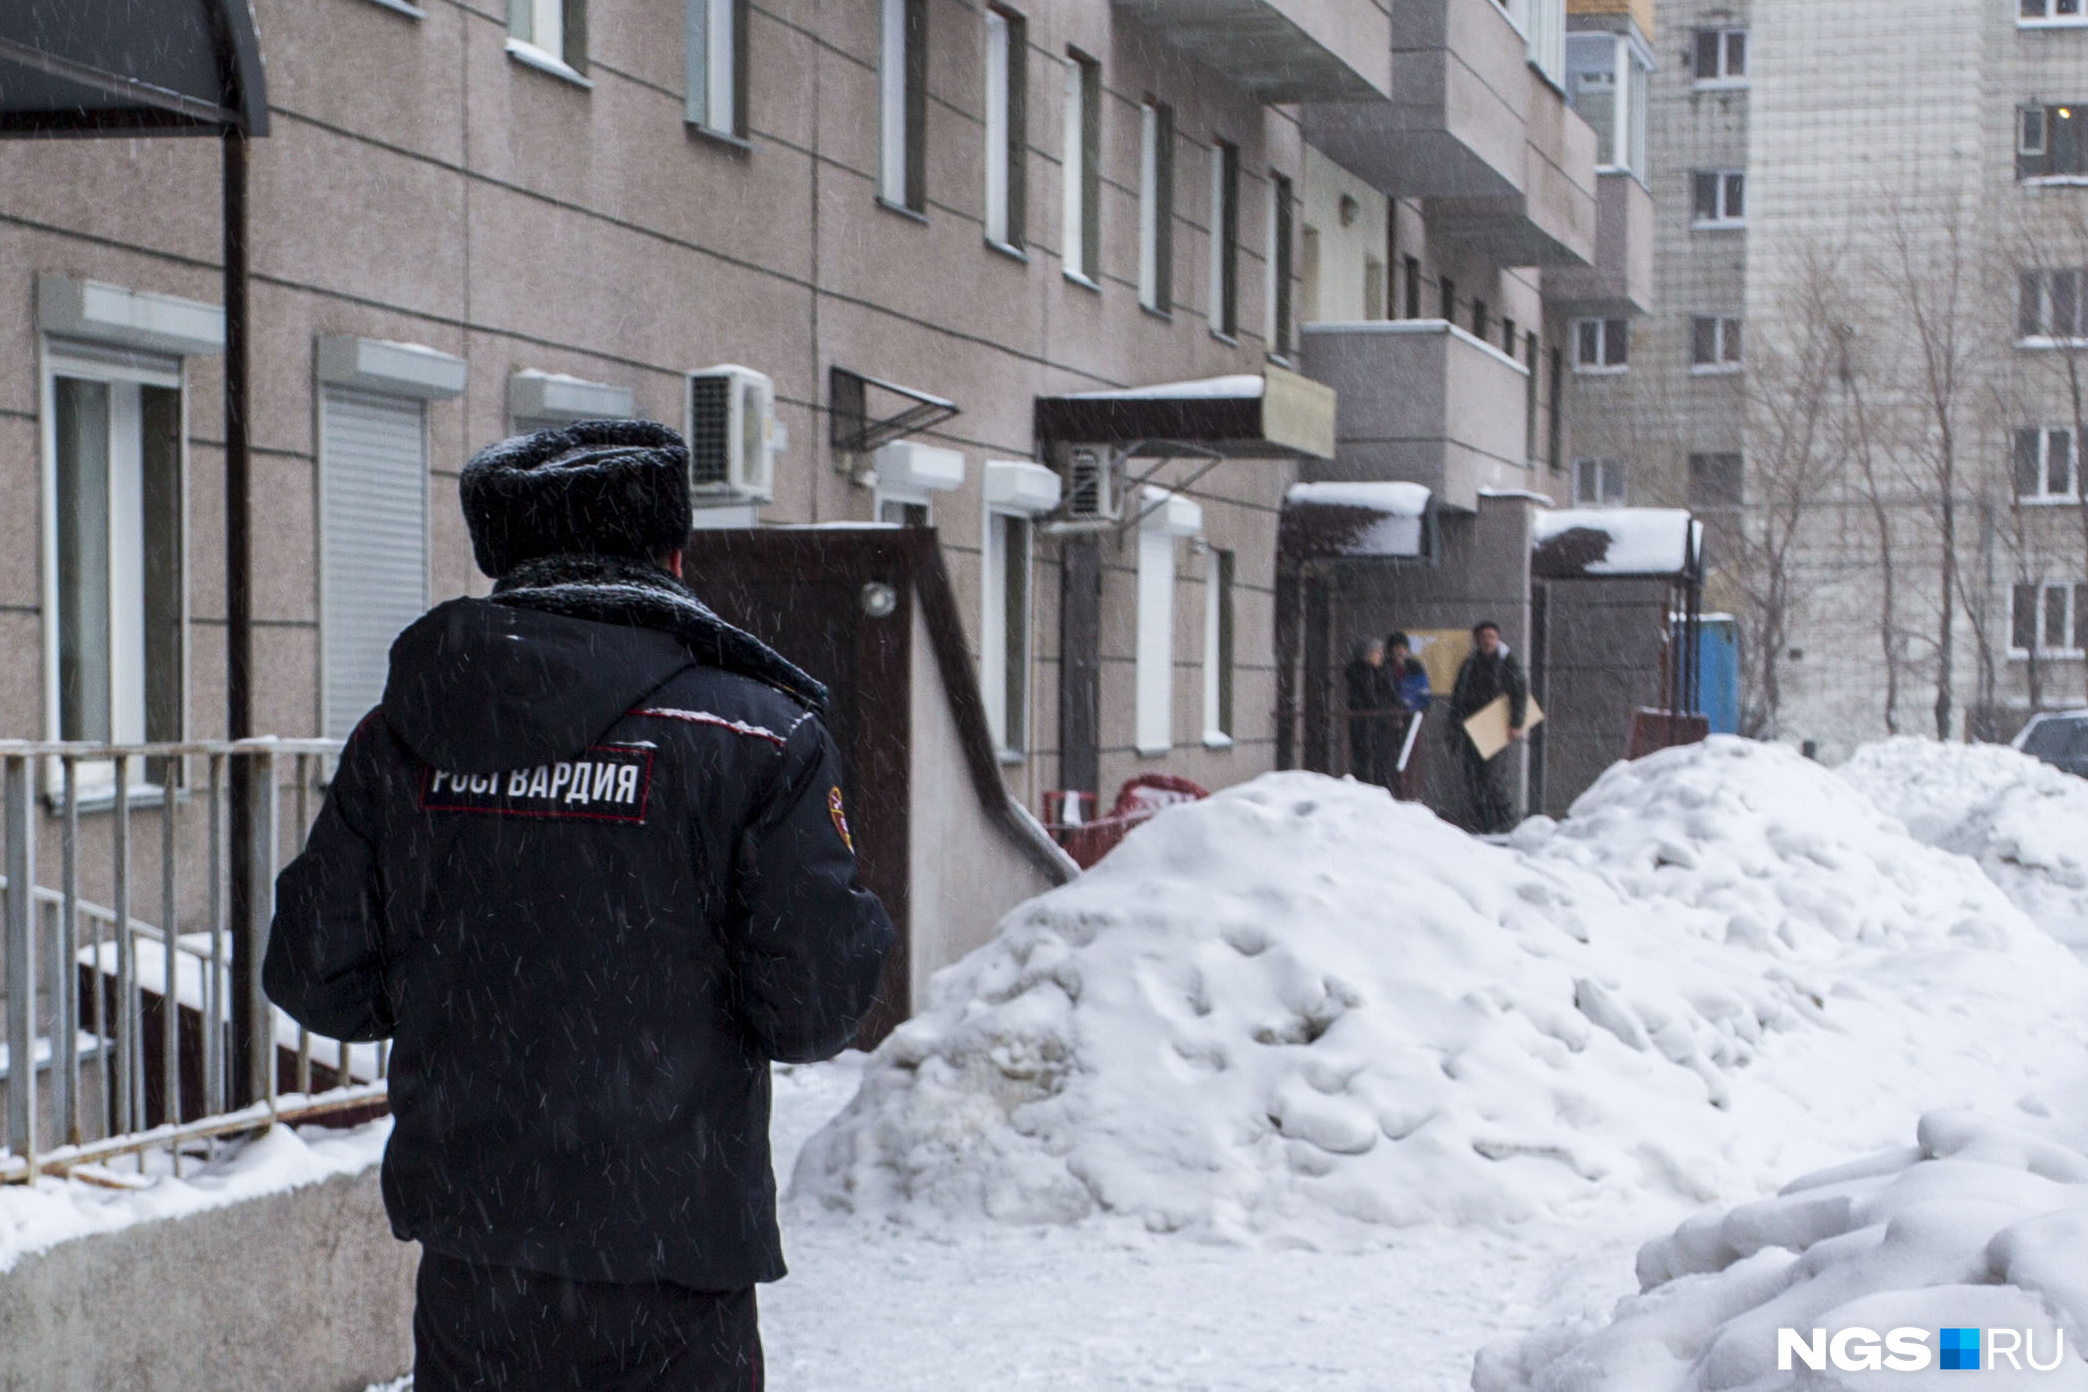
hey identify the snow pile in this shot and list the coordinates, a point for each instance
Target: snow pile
(35, 1218)
(1300, 1009)
(1981, 1225)
(2025, 822)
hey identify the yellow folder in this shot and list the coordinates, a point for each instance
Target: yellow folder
(1488, 726)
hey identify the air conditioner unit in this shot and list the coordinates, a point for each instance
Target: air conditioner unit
(1094, 484)
(732, 433)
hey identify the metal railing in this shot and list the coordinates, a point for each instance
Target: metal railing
(118, 1027)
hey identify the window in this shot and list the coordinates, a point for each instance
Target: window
(1715, 482)
(1446, 295)
(1166, 518)
(1004, 647)
(1156, 206)
(2053, 618)
(716, 53)
(1282, 264)
(2045, 467)
(1714, 344)
(1377, 300)
(1530, 401)
(2049, 142)
(1555, 421)
(116, 536)
(1607, 82)
(1482, 324)
(1413, 287)
(1218, 650)
(902, 105)
(1225, 239)
(549, 34)
(1721, 58)
(1007, 128)
(373, 544)
(1508, 336)
(2033, 12)
(1601, 345)
(1718, 198)
(1083, 169)
(2050, 307)
(1598, 482)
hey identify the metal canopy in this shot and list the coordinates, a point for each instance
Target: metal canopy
(1273, 414)
(88, 67)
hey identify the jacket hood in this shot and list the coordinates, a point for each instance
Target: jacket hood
(481, 687)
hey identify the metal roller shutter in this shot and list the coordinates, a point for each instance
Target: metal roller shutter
(373, 544)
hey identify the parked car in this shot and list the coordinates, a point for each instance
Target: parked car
(2060, 738)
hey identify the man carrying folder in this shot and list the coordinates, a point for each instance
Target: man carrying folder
(1490, 674)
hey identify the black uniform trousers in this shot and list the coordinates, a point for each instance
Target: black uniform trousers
(501, 1329)
(1487, 782)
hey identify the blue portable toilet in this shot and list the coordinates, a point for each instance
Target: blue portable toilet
(1718, 672)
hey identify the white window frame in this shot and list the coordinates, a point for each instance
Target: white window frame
(1726, 78)
(994, 631)
(1225, 236)
(2044, 497)
(1723, 217)
(116, 367)
(2044, 337)
(715, 54)
(1080, 262)
(2048, 15)
(1603, 469)
(2071, 592)
(1006, 55)
(1725, 356)
(1168, 517)
(896, 157)
(1608, 332)
(1217, 594)
(1155, 207)
(537, 38)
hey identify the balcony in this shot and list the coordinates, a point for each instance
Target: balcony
(1476, 129)
(1620, 283)
(1422, 401)
(1549, 220)
(1281, 50)
(1453, 126)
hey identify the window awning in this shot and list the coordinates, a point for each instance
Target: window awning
(169, 66)
(1273, 414)
(1598, 543)
(1353, 521)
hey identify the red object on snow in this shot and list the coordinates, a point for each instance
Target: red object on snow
(1139, 800)
(1653, 730)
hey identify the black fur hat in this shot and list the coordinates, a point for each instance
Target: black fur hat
(595, 487)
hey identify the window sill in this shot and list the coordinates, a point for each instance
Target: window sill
(901, 210)
(1011, 758)
(1718, 225)
(1009, 250)
(739, 143)
(1618, 371)
(2040, 343)
(1082, 281)
(1715, 369)
(530, 56)
(1720, 84)
(1165, 316)
(401, 7)
(2048, 500)
(2048, 655)
(1229, 340)
(2053, 22)
(2055, 181)
(1217, 739)
(1153, 751)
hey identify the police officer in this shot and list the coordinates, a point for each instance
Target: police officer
(589, 868)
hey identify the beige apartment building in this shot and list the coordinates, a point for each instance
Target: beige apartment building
(1003, 335)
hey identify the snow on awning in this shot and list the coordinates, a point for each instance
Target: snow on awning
(1324, 521)
(1273, 414)
(1592, 542)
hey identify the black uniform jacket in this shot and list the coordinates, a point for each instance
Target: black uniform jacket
(589, 888)
(1481, 681)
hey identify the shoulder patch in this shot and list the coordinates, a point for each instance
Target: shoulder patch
(611, 784)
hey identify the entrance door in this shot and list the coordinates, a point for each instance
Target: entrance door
(839, 604)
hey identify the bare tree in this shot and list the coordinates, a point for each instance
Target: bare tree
(2052, 254)
(1866, 442)
(1796, 456)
